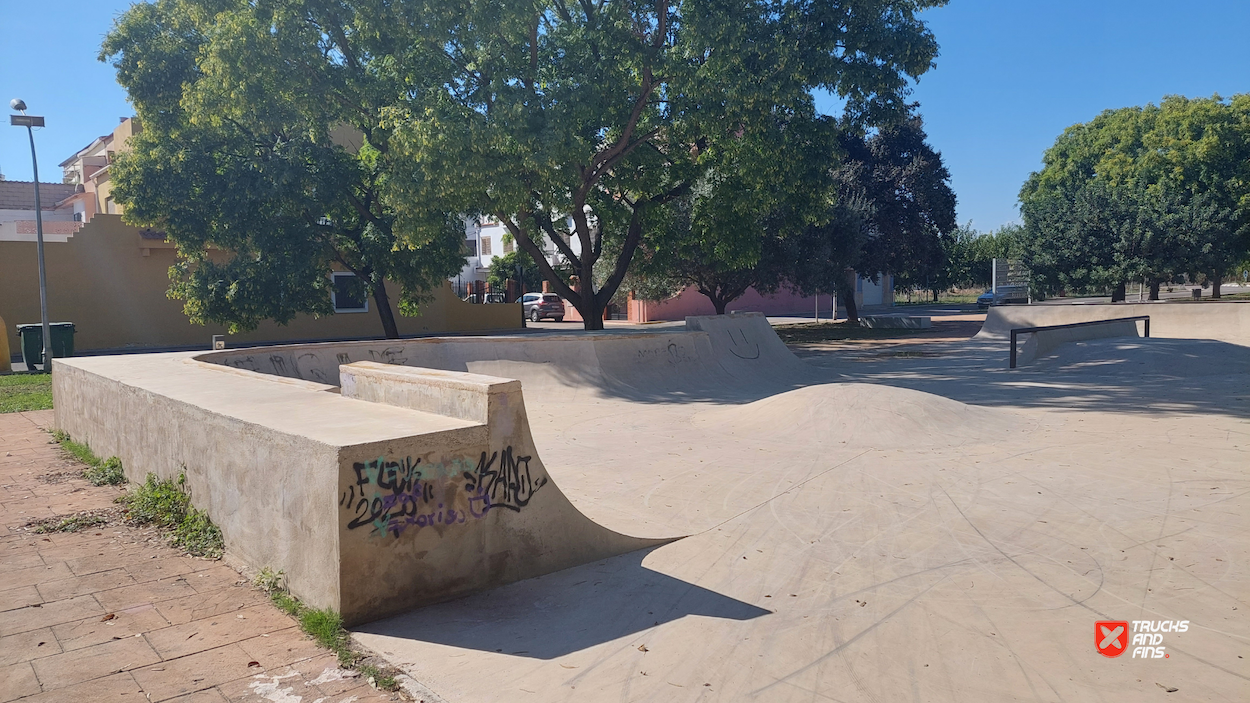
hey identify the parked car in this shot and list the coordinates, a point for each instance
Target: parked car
(1006, 295)
(537, 306)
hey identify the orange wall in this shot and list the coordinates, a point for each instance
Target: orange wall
(101, 281)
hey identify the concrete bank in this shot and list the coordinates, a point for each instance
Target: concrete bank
(368, 507)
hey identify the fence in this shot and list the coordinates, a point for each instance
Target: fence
(485, 292)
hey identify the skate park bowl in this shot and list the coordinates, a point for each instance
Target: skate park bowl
(698, 514)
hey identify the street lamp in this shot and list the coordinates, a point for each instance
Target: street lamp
(30, 122)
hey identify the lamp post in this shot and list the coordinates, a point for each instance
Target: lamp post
(30, 122)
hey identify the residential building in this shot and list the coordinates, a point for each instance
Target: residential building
(487, 238)
(17, 211)
(110, 278)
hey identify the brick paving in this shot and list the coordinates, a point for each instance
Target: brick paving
(112, 613)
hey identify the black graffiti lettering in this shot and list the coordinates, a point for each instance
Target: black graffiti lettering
(396, 476)
(362, 478)
(510, 486)
(747, 352)
(366, 513)
(247, 363)
(400, 492)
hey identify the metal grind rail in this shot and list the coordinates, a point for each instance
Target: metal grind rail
(1026, 330)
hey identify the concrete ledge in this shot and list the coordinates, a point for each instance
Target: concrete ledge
(902, 322)
(467, 396)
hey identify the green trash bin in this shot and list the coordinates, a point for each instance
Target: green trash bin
(32, 342)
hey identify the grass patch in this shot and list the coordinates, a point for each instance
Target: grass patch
(78, 450)
(326, 627)
(836, 331)
(165, 504)
(23, 392)
(100, 472)
(108, 473)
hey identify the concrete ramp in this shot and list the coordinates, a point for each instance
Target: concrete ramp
(1223, 321)
(410, 486)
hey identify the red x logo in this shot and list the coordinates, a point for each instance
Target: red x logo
(1111, 637)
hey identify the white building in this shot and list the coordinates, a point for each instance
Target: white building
(485, 239)
(17, 211)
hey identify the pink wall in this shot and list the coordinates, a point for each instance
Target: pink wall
(692, 302)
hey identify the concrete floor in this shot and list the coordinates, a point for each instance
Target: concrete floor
(885, 524)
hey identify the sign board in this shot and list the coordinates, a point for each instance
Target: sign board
(1011, 281)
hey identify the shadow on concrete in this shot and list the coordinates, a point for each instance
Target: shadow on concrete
(1128, 375)
(561, 613)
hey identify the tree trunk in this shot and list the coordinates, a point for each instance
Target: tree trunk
(846, 292)
(1215, 285)
(1154, 290)
(1118, 294)
(384, 311)
(935, 295)
(719, 304)
(591, 312)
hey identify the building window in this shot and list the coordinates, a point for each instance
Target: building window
(109, 206)
(486, 246)
(470, 247)
(78, 217)
(349, 294)
(508, 246)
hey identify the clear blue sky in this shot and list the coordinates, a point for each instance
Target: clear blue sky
(1010, 77)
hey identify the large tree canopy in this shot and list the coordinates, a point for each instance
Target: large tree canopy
(1143, 194)
(579, 122)
(576, 122)
(911, 204)
(729, 232)
(263, 157)
(874, 202)
(892, 210)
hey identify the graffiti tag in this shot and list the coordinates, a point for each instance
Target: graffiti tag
(392, 496)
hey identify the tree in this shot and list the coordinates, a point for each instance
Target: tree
(727, 233)
(912, 206)
(518, 266)
(895, 207)
(824, 255)
(969, 255)
(1143, 194)
(265, 158)
(1200, 148)
(582, 122)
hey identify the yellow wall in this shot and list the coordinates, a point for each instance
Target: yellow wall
(101, 281)
(5, 364)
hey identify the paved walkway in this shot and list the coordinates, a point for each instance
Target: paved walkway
(114, 614)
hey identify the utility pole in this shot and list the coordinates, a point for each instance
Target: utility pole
(30, 122)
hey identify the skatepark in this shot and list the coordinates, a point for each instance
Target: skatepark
(700, 514)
